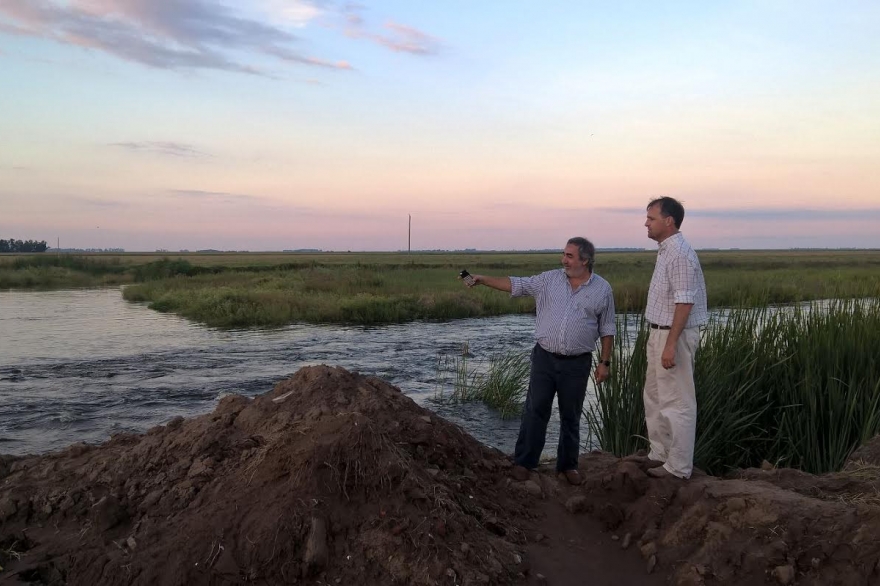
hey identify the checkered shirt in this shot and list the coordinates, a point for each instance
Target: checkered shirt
(678, 278)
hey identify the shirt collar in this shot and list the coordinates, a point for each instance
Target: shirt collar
(585, 283)
(668, 242)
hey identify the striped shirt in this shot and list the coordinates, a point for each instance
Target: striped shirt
(568, 321)
(678, 278)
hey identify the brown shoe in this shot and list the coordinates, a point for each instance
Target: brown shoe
(520, 473)
(573, 477)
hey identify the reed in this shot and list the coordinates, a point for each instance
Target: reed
(615, 414)
(798, 386)
(501, 384)
(828, 386)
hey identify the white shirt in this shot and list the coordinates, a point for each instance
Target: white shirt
(678, 278)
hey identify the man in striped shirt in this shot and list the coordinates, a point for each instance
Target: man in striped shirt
(676, 309)
(575, 308)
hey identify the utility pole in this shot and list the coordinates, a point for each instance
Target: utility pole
(409, 235)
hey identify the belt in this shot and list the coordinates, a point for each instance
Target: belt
(658, 327)
(564, 356)
(569, 356)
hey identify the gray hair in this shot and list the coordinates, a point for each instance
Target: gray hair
(586, 250)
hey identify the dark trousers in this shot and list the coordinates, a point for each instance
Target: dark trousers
(550, 375)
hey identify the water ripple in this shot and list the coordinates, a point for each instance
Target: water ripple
(81, 365)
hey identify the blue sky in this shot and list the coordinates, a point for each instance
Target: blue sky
(274, 124)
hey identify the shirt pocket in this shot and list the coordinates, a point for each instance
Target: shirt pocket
(587, 315)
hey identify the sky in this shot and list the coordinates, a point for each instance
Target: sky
(291, 124)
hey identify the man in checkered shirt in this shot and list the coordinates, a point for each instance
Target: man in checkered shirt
(574, 309)
(676, 309)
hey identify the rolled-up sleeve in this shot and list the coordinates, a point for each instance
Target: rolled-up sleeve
(683, 279)
(526, 286)
(607, 325)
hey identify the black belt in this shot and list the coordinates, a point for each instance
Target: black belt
(564, 356)
(658, 327)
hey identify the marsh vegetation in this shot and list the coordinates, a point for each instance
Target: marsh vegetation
(272, 289)
(797, 386)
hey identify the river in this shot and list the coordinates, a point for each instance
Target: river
(81, 365)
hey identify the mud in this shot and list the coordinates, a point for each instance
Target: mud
(337, 478)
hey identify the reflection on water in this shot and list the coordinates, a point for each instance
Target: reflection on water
(81, 365)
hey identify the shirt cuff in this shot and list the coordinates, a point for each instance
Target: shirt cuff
(516, 289)
(688, 297)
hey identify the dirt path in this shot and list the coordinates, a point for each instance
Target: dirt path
(575, 550)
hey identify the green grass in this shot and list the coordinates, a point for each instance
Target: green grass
(618, 401)
(797, 386)
(43, 271)
(274, 289)
(322, 295)
(501, 384)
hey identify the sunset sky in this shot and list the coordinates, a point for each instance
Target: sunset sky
(285, 124)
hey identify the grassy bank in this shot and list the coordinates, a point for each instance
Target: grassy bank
(798, 387)
(50, 271)
(272, 289)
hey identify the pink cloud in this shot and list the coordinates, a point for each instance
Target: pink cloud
(167, 34)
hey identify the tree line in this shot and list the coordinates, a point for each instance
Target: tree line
(13, 245)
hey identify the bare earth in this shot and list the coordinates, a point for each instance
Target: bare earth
(336, 478)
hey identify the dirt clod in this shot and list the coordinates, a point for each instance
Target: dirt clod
(784, 574)
(316, 547)
(648, 549)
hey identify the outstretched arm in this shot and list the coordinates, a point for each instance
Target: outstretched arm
(499, 283)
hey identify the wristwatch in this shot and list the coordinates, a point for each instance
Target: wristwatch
(605, 362)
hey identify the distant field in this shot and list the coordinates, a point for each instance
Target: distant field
(270, 289)
(716, 258)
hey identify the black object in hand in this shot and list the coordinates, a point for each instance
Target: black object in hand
(466, 277)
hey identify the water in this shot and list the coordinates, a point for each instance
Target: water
(82, 365)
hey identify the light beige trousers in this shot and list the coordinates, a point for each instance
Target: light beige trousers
(671, 402)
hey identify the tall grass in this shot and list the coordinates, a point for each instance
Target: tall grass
(502, 384)
(798, 386)
(51, 271)
(615, 416)
(829, 389)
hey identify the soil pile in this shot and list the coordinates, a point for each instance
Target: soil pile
(332, 478)
(760, 526)
(337, 478)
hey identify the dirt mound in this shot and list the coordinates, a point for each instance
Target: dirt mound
(867, 454)
(336, 478)
(331, 477)
(765, 526)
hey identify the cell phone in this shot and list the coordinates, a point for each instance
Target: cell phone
(466, 277)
